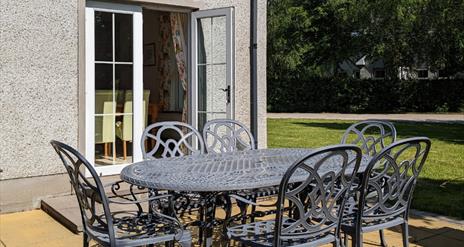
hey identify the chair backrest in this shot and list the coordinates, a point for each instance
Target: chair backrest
(227, 135)
(104, 125)
(93, 203)
(371, 135)
(316, 185)
(389, 179)
(171, 139)
(127, 119)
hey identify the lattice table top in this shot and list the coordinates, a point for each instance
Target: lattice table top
(232, 171)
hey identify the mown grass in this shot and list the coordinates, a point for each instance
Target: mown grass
(440, 188)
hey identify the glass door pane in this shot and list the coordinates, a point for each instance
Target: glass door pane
(214, 64)
(113, 88)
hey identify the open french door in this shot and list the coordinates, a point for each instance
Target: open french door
(114, 85)
(212, 60)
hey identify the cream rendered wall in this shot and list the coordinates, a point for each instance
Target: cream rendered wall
(242, 61)
(38, 84)
(39, 79)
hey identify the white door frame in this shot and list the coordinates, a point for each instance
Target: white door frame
(137, 63)
(230, 58)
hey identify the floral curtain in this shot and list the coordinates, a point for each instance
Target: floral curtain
(163, 58)
(178, 40)
(172, 31)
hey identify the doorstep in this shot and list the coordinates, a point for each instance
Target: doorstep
(65, 208)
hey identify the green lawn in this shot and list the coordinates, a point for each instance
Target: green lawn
(440, 188)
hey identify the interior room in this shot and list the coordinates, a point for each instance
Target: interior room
(164, 82)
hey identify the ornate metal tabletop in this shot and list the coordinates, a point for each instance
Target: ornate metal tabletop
(232, 171)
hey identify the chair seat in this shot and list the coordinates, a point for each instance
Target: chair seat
(369, 223)
(132, 229)
(262, 234)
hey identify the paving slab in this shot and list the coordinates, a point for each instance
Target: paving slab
(36, 228)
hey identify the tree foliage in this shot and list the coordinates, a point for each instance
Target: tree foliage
(310, 38)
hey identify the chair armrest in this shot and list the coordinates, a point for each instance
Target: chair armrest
(241, 199)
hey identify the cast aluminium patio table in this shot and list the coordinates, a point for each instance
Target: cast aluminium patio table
(212, 174)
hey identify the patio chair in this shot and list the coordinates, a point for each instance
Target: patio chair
(371, 135)
(171, 139)
(315, 218)
(227, 135)
(386, 191)
(109, 227)
(174, 139)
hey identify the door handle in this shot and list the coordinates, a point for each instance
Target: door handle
(227, 91)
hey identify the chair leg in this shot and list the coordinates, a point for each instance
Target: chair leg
(357, 240)
(336, 243)
(185, 243)
(253, 210)
(86, 240)
(124, 149)
(105, 149)
(200, 228)
(405, 233)
(345, 239)
(383, 242)
(114, 151)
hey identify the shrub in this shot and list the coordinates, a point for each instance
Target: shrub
(365, 96)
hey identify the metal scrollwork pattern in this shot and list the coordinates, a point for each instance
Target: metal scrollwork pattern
(89, 191)
(171, 139)
(371, 136)
(315, 212)
(227, 135)
(391, 177)
(115, 228)
(234, 171)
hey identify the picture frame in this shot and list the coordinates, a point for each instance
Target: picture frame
(149, 54)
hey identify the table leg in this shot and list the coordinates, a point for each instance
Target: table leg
(210, 206)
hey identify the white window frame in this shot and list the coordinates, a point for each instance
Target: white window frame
(137, 63)
(230, 58)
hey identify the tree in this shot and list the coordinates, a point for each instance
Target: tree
(308, 38)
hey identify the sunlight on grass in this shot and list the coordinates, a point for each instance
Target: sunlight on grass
(441, 185)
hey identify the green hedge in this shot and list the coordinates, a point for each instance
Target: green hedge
(365, 96)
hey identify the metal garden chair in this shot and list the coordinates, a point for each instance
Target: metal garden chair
(371, 135)
(386, 190)
(227, 135)
(107, 226)
(175, 139)
(320, 181)
(171, 139)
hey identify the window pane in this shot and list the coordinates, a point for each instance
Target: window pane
(104, 138)
(124, 134)
(103, 88)
(218, 84)
(212, 40)
(218, 42)
(103, 36)
(123, 37)
(123, 87)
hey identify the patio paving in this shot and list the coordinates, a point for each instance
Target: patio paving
(36, 228)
